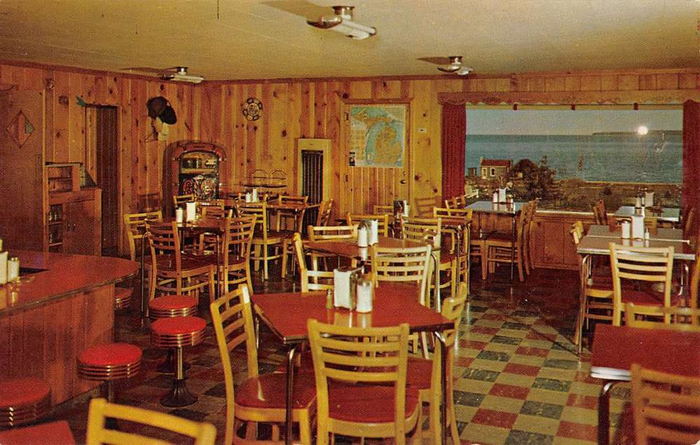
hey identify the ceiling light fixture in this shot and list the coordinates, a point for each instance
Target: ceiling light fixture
(342, 22)
(180, 75)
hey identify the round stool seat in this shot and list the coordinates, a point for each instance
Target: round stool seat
(23, 400)
(178, 332)
(122, 297)
(169, 306)
(109, 361)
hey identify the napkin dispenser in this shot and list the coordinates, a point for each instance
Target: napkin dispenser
(373, 232)
(362, 235)
(625, 229)
(649, 199)
(190, 211)
(637, 226)
(365, 291)
(502, 194)
(345, 287)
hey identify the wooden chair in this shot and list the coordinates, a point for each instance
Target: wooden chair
(596, 299)
(267, 245)
(643, 265)
(499, 247)
(310, 279)
(383, 209)
(528, 238)
(135, 225)
(324, 213)
(600, 213)
(382, 219)
(425, 375)
(359, 373)
(456, 202)
(258, 398)
(288, 220)
(329, 233)
(655, 317)
(181, 200)
(238, 235)
(171, 271)
(203, 433)
(208, 241)
(430, 230)
(666, 407)
(461, 216)
(403, 265)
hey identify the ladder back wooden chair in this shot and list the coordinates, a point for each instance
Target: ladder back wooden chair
(171, 271)
(657, 317)
(641, 265)
(382, 219)
(258, 398)
(98, 432)
(310, 279)
(361, 382)
(267, 245)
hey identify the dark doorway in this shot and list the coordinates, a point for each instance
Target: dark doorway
(107, 175)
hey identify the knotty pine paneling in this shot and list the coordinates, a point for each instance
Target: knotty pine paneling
(293, 109)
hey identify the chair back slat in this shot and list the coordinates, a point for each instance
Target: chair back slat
(135, 224)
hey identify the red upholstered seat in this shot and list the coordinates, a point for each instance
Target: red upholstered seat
(641, 297)
(178, 325)
(111, 354)
(367, 404)
(419, 373)
(22, 391)
(170, 302)
(268, 391)
(54, 433)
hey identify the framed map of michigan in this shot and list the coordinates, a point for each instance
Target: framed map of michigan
(377, 136)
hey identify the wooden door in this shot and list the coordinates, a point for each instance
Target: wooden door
(81, 234)
(23, 201)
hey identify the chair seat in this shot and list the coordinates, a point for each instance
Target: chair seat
(56, 433)
(18, 392)
(189, 262)
(172, 302)
(110, 355)
(268, 391)
(642, 298)
(367, 404)
(420, 371)
(178, 326)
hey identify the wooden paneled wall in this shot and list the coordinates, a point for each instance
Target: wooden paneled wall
(302, 109)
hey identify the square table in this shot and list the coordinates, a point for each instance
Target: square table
(667, 214)
(615, 348)
(286, 315)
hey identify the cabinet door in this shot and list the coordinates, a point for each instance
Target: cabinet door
(23, 198)
(82, 232)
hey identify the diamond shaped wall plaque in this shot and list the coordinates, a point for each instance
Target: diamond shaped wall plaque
(20, 128)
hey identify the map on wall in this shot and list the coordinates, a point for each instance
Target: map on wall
(377, 135)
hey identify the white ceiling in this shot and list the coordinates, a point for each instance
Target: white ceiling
(264, 39)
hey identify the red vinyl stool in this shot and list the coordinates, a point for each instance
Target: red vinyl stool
(23, 400)
(177, 333)
(122, 298)
(169, 306)
(55, 433)
(109, 362)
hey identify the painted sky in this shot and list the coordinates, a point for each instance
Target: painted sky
(568, 122)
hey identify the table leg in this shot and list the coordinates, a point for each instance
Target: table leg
(289, 394)
(144, 297)
(513, 240)
(604, 413)
(443, 425)
(584, 273)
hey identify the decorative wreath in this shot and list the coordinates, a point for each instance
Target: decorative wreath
(252, 109)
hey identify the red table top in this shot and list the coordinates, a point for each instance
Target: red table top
(615, 348)
(286, 313)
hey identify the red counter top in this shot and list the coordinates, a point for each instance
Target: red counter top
(62, 275)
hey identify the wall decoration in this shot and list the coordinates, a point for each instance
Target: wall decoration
(377, 134)
(252, 109)
(19, 129)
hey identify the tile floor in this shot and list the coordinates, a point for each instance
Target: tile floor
(518, 378)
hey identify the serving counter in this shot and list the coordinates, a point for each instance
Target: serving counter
(63, 304)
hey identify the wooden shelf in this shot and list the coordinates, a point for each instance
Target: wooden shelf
(63, 177)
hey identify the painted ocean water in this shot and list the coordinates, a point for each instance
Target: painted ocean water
(614, 157)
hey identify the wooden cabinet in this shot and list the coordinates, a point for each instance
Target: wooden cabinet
(75, 222)
(553, 246)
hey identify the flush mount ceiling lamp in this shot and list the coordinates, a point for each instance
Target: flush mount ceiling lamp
(180, 75)
(342, 22)
(455, 67)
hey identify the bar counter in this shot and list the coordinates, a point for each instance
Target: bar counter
(48, 277)
(63, 304)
